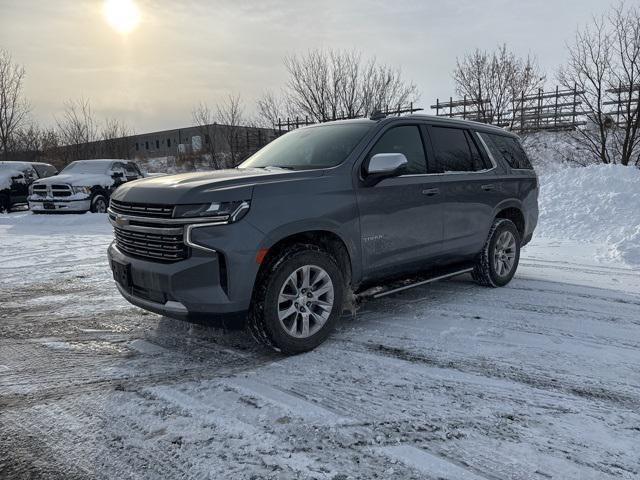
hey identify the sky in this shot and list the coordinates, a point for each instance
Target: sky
(184, 52)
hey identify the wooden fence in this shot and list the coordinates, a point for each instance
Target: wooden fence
(552, 111)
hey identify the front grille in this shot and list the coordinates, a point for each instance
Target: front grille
(61, 190)
(142, 209)
(40, 190)
(154, 246)
(52, 190)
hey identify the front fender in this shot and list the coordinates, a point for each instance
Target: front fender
(318, 225)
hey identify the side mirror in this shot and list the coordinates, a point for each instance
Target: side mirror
(383, 165)
(117, 175)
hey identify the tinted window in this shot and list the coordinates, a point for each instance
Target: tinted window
(406, 140)
(308, 148)
(41, 170)
(479, 162)
(507, 148)
(453, 151)
(130, 168)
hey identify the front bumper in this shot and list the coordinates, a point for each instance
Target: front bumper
(199, 288)
(58, 205)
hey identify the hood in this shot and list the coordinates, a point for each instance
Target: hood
(78, 180)
(198, 187)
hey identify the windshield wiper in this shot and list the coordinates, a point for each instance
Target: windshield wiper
(277, 168)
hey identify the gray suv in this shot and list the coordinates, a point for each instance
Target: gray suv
(283, 242)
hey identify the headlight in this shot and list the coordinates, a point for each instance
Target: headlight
(229, 211)
(86, 190)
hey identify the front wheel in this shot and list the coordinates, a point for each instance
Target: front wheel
(298, 299)
(497, 263)
(99, 204)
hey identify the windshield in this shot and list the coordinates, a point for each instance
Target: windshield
(309, 148)
(86, 167)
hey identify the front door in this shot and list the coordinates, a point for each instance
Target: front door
(400, 217)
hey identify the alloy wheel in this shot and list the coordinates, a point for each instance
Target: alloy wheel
(305, 301)
(101, 206)
(504, 254)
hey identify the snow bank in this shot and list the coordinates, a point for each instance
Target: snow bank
(596, 204)
(27, 223)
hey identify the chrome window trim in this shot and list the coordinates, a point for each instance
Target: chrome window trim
(486, 149)
(465, 172)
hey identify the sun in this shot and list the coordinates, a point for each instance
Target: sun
(122, 15)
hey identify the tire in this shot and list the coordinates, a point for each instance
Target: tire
(99, 204)
(279, 308)
(5, 203)
(498, 261)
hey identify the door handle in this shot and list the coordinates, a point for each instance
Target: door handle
(431, 192)
(488, 187)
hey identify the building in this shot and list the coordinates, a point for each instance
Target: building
(199, 139)
(231, 144)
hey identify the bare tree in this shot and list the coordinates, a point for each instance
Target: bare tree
(50, 146)
(28, 139)
(329, 84)
(625, 90)
(495, 82)
(206, 122)
(14, 108)
(231, 115)
(271, 109)
(115, 139)
(589, 70)
(78, 130)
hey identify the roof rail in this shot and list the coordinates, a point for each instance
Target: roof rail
(378, 114)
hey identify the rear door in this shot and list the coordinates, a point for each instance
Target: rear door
(468, 184)
(20, 185)
(400, 217)
(131, 171)
(118, 174)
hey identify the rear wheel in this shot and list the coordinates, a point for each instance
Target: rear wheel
(99, 204)
(297, 300)
(497, 263)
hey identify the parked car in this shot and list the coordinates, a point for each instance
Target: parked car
(82, 186)
(284, 240)
(15, 178)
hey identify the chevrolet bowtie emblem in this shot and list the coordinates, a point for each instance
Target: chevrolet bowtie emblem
(121, 222)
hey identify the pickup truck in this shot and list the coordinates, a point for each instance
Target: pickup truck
(82, 186)
(283, 242)
(15, 179)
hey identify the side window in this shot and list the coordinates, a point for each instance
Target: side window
(41, 170)
(479, 162)
(507, 148)
(406, 140)
(118, 167)
(29, 175)
(131, 171)
(453, 150)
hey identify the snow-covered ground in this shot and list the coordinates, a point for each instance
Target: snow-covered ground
(537, 380)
